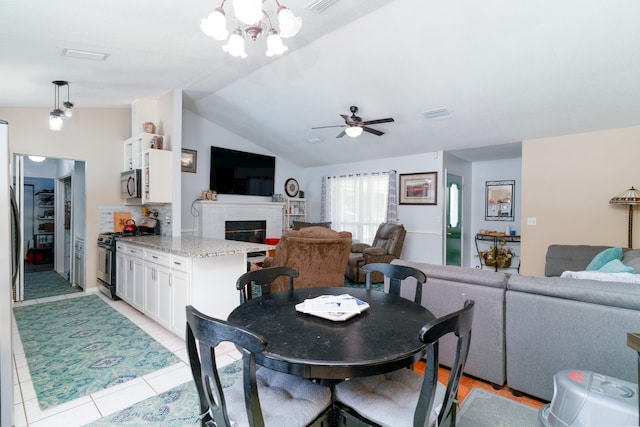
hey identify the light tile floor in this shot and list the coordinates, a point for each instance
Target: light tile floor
(89, 408)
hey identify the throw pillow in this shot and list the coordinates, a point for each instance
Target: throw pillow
(604, 257)
(616, 266)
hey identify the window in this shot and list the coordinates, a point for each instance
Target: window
(358, 203)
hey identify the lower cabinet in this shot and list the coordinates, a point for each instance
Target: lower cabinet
(156, 283)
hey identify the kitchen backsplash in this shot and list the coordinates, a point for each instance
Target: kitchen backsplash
(107, 211)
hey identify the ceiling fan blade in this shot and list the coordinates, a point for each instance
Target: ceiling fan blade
(332, 126)
(341, 134)
(373, 122)
(373, 131)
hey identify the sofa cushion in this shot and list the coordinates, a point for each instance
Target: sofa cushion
(561, 258)
(616, 266)
(298, 225)
(632, 259)
(604, 257)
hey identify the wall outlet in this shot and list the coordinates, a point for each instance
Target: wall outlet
(531, 221)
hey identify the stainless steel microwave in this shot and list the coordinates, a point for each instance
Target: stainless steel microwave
(131, 184)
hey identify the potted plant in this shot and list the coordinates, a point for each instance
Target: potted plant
(499, 255)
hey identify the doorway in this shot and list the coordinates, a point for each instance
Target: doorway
(48, 189)
(453, 217)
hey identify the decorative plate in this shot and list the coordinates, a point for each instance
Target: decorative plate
(291, 187)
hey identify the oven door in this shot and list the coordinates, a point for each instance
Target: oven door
(104, 264)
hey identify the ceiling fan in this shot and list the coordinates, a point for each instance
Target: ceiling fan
(355, 125)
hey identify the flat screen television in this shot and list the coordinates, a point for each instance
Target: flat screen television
(239, 172)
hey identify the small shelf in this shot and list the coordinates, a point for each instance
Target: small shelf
(295, 209)
(43, 226)
(494, 239)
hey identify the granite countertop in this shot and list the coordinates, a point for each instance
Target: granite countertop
(195, 247)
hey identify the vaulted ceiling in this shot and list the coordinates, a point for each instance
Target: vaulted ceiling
(503, 71)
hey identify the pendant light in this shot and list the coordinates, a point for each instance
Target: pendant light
(56, 117)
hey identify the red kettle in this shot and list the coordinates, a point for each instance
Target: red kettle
(130, 226)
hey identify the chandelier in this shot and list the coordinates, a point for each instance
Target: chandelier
(56, 117)
(253, 20)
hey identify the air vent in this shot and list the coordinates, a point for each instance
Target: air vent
(314, 140)
(84, 54)
(436, 112)
(319, 6)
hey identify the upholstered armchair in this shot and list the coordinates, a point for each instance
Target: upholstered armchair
(387, 246)
(319, 254)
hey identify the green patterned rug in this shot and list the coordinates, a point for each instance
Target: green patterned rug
(43, 284)
(179, 406)
(374, 286)
(78, 346)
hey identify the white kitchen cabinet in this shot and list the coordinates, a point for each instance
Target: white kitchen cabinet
(135, 146)
(133, 276)
(157, 282)
(157, 185)
(180, 291)
(121, 278)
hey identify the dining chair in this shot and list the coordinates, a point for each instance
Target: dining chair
(264, 397)
(405, 397)
(263, 278)
(396, 274)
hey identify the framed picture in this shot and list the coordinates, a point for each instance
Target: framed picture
(500, 196)
(189, 160)
(419, 188)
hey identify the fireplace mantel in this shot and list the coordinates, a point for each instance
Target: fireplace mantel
(213, 215)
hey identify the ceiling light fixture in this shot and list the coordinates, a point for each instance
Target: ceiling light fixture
(251, 21)
(56, 117)
(353, 131)
(37, 159)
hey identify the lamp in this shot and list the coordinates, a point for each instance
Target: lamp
(56, 117)
(628, 197)
(353, 131)
(251, 22)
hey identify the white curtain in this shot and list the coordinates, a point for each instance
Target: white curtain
(359, 203)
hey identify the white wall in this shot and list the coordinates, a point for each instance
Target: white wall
(200, 134)
(495, 170)
(423, 223)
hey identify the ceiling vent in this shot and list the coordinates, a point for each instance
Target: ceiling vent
(84, 54)
(314, 140)
(436, 112)
(319, 6)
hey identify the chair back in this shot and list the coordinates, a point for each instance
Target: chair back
(396, 274)
(458, 323)
(263, 278)
(390, 237)
(204, 333)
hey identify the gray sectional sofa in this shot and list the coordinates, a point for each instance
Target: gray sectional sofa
(527, 328)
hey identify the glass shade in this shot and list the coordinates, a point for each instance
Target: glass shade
(215, 25)
(628, 197)
(235, 45)
(274, 44)
(353, 131)
(68, 109)
(288, 23)
(55, 120)
(248, 11)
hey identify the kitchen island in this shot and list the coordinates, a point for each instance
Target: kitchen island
(161, 275)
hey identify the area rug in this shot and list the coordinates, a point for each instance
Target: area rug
(374, 286)
(482, 408)
(179, 406)
(43, 284)
(78, 346)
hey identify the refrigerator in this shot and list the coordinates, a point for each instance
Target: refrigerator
(9, 261)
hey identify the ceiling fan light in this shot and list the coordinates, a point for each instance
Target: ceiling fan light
(289, 23)
(353, 131)
(55, 120)
(215, 25)
(248, 11)
(235, 45)
(274, 44)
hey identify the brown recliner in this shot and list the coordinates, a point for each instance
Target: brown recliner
(319, 254)
(387, 246)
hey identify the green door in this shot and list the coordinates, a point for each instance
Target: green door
(453, 240)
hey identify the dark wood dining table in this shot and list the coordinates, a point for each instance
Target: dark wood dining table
(379, 340)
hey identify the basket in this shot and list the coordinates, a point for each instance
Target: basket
(502, 262)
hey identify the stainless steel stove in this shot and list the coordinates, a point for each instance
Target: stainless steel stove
(107, 259)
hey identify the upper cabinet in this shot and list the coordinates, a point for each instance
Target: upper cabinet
(146, 152)
(135, 146)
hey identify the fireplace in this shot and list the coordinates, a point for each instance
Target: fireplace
(245, 231)
(214, 216)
